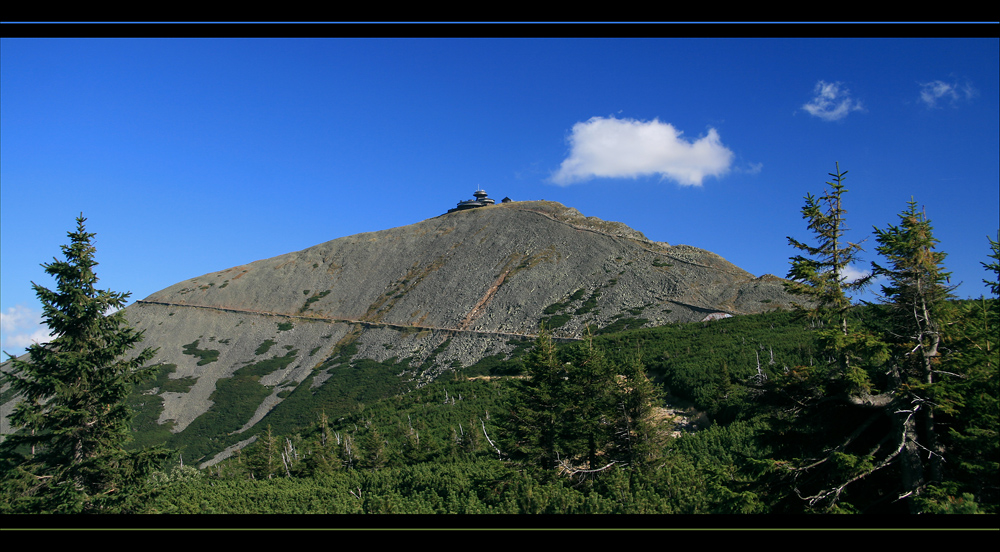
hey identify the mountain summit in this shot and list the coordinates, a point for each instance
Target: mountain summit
(442, 294)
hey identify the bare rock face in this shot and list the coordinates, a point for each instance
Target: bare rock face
(477, 280)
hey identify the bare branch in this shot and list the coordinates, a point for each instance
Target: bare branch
(499, 454)
(835, 491)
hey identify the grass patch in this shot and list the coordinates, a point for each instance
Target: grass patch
(553, 322)
(497, 365)
(622, 325)
(205, 356)
(313, 299)
(264, 347)
(260, 369)
(589, 304)
(554, 308)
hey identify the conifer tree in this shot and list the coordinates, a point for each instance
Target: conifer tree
(581, 413)
(820, 276)
(264, 458)
(534, 412)
(916, 293)
(637, 440)
(587, 402)
(877, 424)
(838, 410)
(73, 418)
(973, 436)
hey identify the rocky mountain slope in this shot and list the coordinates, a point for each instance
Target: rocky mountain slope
(443, 293)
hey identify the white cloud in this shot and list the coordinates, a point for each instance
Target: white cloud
(853, 274)
(627, 148)
(931, 92)
(831, 102)
(21, 327)
(15, 317)
(22, 340)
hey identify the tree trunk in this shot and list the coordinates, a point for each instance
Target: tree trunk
(911, 466)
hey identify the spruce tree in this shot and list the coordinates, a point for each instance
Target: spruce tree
(638, 441)
(820, 276)
(534, 413)
(580, 413)
(73, 419)
(866, 430)
(837, 409)
(916, 292)
(973, 432)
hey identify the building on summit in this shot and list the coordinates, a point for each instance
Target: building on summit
(481, 201)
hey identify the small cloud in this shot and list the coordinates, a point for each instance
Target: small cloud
(627, 148)
(831, 102)
(752, 168)
(932, 92)
(22, 326)
(852, 274)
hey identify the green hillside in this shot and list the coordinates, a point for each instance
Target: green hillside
(448, 447)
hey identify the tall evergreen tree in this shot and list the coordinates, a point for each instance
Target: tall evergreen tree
(964, 402)
(534, 413)
(578, 412)
(873, 418)
(820, 275)
(637, 439)
(916, 293)
(838, 412)
(73, 418)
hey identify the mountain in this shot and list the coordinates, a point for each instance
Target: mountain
(421, 300)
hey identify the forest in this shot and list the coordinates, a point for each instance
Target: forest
(836, 407)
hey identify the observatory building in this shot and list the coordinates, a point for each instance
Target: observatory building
(481, 200)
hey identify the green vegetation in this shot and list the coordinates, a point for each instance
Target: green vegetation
(264, 347)
(623, 324)
(450, 447)
(166, 383)
(205, 356)
(550, 424)
(147, 404)
(265, 367)
(354, 445)
(588, 305)
(315, 297)
(74, 417)
(872, 405)
(510, 364)
(555, 321)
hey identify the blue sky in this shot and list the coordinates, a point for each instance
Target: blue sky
(192, 155)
